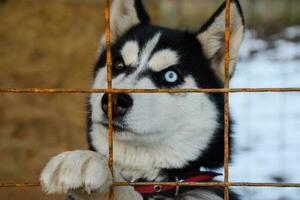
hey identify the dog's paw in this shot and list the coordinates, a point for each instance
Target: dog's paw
(76, 170)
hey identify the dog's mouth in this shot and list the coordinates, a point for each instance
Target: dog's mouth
(117, 126)
(124, 132)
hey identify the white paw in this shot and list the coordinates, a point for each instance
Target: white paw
(69, 171)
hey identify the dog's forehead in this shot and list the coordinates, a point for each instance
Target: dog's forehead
(150, 52)
(155, 49)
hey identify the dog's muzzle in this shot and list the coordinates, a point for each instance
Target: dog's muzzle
(121, 104)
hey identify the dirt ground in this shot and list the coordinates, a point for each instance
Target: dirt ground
(50, 44)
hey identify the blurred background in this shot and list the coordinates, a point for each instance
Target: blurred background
(53, 44)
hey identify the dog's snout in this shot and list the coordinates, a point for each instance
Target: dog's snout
(121, 104)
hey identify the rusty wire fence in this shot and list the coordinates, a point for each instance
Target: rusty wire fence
(110, 90)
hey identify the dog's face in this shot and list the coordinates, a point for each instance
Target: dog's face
(151, 57)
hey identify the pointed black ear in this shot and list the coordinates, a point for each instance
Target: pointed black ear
(212, 37)
(126, 14)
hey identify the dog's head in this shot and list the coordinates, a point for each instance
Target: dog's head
(146, 57)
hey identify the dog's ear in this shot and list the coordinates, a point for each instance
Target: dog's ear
(126, 14)
(212, 37)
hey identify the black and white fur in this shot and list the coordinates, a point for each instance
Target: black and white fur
(155, 135)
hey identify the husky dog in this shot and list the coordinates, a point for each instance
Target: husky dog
(156, 137)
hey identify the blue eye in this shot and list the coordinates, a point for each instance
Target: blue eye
(171, 76)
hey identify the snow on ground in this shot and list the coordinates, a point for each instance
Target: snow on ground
(267, 124)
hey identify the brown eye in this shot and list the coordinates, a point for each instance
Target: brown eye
(119, 64)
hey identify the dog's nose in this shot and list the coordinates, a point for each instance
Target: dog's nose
(121, 104)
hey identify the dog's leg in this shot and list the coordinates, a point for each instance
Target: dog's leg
(84, 175)
(76, 171)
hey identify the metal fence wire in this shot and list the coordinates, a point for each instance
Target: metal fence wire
(226, 90)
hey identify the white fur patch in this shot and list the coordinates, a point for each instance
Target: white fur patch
(130, 52)
(147, 50)
(159, 137)
(163, 59)
(95, 99)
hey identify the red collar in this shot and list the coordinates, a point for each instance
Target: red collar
(159, 189)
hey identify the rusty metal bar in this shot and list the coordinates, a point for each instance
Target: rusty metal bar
(111, 192)
(110, 95)
(19, 185)
(201, 184)
(226, 100)
(109, 81)
(117, 90)
(212, 184)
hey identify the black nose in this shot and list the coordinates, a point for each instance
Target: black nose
(121, 104)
